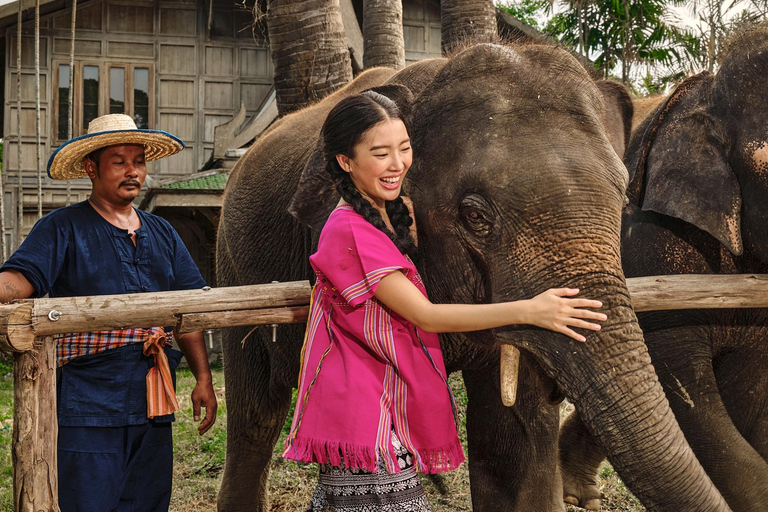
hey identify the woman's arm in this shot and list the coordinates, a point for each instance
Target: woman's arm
(550, 310)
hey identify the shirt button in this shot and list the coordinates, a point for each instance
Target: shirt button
(144, 289)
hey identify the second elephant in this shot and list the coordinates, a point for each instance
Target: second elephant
(699, 205)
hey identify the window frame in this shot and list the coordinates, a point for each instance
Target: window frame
(104, 93)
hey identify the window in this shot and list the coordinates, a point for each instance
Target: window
(62, 128)
(103, 89)
(116, 90)
(141, 97)
(90, 95)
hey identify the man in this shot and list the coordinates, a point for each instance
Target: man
(115, 449)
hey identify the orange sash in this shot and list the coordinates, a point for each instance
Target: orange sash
(161, 397)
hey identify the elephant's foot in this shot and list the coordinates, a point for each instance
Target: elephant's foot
(585, 495)
(580, 458)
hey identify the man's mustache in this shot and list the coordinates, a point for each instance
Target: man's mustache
(130, 183)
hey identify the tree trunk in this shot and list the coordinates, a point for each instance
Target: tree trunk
(467, 21)
(383, 34)
(309, 51)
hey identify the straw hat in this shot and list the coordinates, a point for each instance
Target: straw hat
(66, 162)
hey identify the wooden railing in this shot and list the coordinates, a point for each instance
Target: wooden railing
(27, 328)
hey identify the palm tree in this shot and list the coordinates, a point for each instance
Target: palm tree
(383, 34)
(467, 21)
(717, 18)
(309, 51)
(623, 32)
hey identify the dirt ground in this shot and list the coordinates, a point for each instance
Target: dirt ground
(200, 463)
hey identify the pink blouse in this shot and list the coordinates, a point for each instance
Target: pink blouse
(364, 368)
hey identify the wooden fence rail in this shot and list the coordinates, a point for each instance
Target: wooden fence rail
(27, 327)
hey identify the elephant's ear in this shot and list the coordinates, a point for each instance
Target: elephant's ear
(617, 114)
(316, 197)
(681, 166)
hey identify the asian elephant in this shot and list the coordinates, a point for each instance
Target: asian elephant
(516, 189)
(699, 205)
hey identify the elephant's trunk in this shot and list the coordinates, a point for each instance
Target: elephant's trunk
(615, 388)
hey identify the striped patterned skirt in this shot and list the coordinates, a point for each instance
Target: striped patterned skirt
(356, 490)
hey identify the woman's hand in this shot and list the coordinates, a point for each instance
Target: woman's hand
(554, 311)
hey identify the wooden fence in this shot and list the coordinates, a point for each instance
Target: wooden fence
(27, 327)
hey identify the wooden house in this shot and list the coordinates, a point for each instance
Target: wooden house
(184, 66)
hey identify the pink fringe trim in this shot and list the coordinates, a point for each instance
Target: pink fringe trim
(331, 452)
(321, 451)
(440, 460)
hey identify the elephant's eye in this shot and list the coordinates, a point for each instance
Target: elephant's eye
(476, 215)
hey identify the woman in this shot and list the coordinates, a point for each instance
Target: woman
(374, 404)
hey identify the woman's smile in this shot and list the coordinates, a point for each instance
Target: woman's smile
(391, 182)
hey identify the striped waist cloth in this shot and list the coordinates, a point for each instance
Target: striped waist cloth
(161, 397)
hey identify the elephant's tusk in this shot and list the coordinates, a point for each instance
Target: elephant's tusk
(510, 364)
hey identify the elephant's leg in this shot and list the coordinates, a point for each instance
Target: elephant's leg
(743, 384)
(685, 370)
(580, 458)
(512, 450)
(258, 397)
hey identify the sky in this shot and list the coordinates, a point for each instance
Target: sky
(684, 13)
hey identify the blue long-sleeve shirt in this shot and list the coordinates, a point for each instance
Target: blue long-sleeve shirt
(74, 251)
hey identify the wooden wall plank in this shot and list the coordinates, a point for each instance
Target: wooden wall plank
(255, 63)
(219, 61)
(27, 127)
(28, 87)
(27, 51)
(27, 151)
(88, 18)
(177, 59)
(218, 95)
(130, 49)
(63, 46)
(176, 93)
(178, 22)
(134, 19)
(181, 125)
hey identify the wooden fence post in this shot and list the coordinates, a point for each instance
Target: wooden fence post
(35, 429)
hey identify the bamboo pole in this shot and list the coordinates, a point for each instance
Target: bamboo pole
(35, 429)
(3, 248)
(20, 192)
(71, 89)
(38, 134)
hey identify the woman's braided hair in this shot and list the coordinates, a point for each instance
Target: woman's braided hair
(344, 127)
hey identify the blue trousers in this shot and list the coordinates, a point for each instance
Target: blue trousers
(115, 469)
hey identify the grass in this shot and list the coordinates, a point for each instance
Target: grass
(199, 461)
(6, 423)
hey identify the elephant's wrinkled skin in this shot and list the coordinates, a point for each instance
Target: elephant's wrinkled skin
(699, 205)
(516, 189)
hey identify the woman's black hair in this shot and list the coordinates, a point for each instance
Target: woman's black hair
(343, 129)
